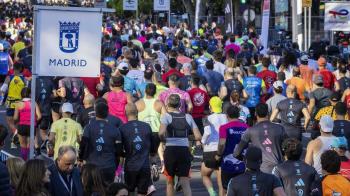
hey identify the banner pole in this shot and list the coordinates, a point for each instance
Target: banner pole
(33, 89)
(309, 40)
(305, 29)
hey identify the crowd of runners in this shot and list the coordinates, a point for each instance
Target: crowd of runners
(166, 94)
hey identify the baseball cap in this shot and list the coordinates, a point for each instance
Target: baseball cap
(278, 84)
(253, 157)
(123, 66)
(318, 79)
(304, 58)
(159, 39)
(215, 104)
(340, 142)
(245, 38)
(67, 107)
(335, 97)
(326, 124)
(1, 47)
(187, 66)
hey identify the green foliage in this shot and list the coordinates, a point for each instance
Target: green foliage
(144, 6)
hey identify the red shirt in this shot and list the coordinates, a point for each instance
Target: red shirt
(26, 73)
(345, 169)
(268, 76)
(200, 100)
(165, 76)
(328, 79)
(91, 84)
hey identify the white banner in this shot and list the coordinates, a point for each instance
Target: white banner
(265, 25)
(337, 16)
(228, 17)
(161, 5)
(68, 41)
(130, 4)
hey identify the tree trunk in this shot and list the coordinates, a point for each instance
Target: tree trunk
(190, 8)
(211, 10)
(202, 10)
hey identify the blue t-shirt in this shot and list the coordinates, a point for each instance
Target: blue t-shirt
(129, 85)
(200, 61)
(106, 73)
(6, 45)
(4, 63)
(270, 68)
(253, 86)
(232, 132)
(142, 87)
(214, 80)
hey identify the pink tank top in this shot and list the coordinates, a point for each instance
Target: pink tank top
(116, 104)
(24, 114)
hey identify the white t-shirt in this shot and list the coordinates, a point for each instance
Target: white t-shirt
(219, 67)
(210, 137)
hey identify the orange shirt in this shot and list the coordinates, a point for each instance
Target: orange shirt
(335, 184)
(299, 84)
(306, 73)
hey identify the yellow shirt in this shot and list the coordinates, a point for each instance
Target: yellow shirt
(159, 89)
(67, 132)
(329, 110)
(18, 46)
(14, 91)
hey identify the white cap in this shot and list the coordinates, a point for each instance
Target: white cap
(327, 124)
(67, 107)
(245, 38)
(277, 84)
(160, 39)
(123, 65)
(187, 66)
(304, 57)
(1, 47)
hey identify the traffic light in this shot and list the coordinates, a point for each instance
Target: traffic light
(243, 1)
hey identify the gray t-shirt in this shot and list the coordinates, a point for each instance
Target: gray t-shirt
(166, 119)
(273, 101)
(268, 137)
(296, 176)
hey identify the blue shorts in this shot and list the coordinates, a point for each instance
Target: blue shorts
(10, 112)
